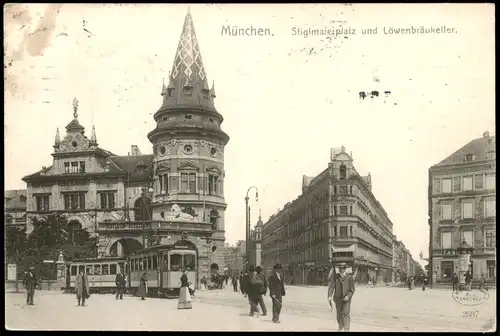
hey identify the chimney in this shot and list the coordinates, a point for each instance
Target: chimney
(486, 134)
(134, 150)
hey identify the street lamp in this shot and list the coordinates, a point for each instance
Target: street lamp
(464, 253)
(247, 223)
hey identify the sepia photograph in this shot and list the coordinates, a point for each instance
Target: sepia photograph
(250, 167)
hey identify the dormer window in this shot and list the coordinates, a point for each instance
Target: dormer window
(343, 172)
(170, 92)
(187, 90)
(188, 117)
(469, 157)
(491, 155)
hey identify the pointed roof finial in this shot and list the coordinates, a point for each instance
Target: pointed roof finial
(260, 213)
(212, 90)
(75, 108)
(93, 138)
(189, 9)
(163, 87)
(57, 140)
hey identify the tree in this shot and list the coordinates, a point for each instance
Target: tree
(50, 237)
(15, 244)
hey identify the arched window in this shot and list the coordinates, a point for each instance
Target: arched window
(143, 209)
(214, 218)
(74, 229)
(8, 219)
(343, 172)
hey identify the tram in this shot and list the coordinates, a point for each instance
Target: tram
(163, 266)
(100, 272)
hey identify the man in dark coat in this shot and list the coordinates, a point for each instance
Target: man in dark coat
(253, 291)
(455, 282)
(340, 291)
(234, 282)
(120, 285)
(30, 282)
(277, 291)
(245, 282)
(262, 289)
(242, 275)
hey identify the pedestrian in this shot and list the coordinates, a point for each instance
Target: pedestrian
(226, 277)
(120, 285)
(30, 283)
(277, 291)
(184, 295)
(253, 291)
(409, 283)
(262, 289)
(482, 284)
(341, 292)
(468, 280)
(245, 282)
(82, 288)
(143, 286)
(234, 282)
(203, 282)
(455, 282)
(241, 282)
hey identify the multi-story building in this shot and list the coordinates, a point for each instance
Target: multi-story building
(462, 207)
(254, 248)
(177, 193)
(237, 257)
(15, 208)
(336, 218)
(403, 261)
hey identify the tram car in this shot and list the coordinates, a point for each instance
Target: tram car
(100, 272)
(163, 266)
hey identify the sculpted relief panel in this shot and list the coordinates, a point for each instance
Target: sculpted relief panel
(188, 148)
(74, 143)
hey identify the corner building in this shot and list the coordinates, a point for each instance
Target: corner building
(462, 207)
(128, 200)
(335, 219)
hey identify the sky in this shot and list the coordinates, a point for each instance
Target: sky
(286, 99)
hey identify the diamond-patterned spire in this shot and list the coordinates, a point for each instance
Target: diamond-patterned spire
(187, 87)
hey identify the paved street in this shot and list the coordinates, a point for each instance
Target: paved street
(305, 308)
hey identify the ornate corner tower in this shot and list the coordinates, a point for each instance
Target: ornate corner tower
(188, 146)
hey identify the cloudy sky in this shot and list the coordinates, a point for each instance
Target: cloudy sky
(286, 99)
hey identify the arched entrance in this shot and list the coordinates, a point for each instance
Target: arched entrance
(214, 269)
(124, 247)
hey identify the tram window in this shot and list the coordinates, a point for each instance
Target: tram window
(145, 263)
(189, 262)
(73, 270)
(175, 262)
(81, 269)
(155, 262)
(97, 269)
(121, 267)
(165, 262)
(150, 263)
(140, 264)
(105, 269)
(132, 265)
(112, 269)
(89, 269)
(136, 262)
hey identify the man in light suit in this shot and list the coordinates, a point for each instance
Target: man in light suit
(340, 292)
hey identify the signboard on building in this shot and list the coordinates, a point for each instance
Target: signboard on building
(12, 272)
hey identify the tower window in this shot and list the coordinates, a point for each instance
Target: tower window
(170, 92)
(214, 217)
(163, 150)
(213, 151)
(187, 90)
(188, 183)
(189, 116)
(343, 172)
(206, 93)
(211, 120)
(212, 184)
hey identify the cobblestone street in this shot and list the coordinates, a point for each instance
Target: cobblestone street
(373, 309)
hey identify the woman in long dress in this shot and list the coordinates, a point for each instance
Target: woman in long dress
(82, 288)
(184, 296)
(143, 286)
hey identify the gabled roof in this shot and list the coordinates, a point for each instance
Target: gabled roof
(139, 168)
(479, 148)
(38, 173)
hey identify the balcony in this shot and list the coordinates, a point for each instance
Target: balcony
(162, 226)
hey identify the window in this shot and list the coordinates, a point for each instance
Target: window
(350, 190)
(164, 183)
(467, 209)
(212, 184)
(446, 187)
(468, 236)
(467, 183)
(170, 92)
(73, 270)
(66, 167)
(350, 231)
(491, 267)
(42, 203)
(490, 239)
(112, 269)
(188, 183)
(446, 240)
(457, 186)
(89, 269)
(73, 201)
(74, 168)
(446, 211)
(189, 116)
(343, 209)
(97, 269)
(105, 269)
(343, 231)
(214, 217)
(478, 182)
(82, 166)
(74, 229)
(189, 262)
(143, 209)
(490, 208)
(447, 270)
(175, 262)
(81, 269)
(107, 200)
(491, 155)
(490, 181)
(335, 190)
(343, 172)
(343, 190)
(469, 157)
(155, 262)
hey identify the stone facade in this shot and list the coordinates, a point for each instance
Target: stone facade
(462, 206)
(15, 208)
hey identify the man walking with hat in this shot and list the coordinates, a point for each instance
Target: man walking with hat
(340, 291)
(30, 283)
(277, 291)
